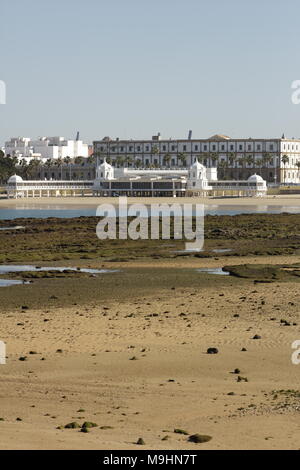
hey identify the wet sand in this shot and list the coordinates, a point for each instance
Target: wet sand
(128, 350)
(137, 366)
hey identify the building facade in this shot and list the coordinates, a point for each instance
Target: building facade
(195, 181)
(276, 160)
(111, 181)
(45, 148)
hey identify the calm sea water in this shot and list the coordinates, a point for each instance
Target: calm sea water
(62, 212)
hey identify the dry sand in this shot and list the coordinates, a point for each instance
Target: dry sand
(172, 383)
(89, 201)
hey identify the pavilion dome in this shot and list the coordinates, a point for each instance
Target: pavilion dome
(197, 165)
(256, 178)
(105, 165)
(15, 179)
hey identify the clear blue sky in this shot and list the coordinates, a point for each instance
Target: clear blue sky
(131, 68)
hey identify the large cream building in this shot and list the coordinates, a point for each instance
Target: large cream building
(276, 160)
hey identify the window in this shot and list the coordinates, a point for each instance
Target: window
(173, 148)
(164, 148)
(214, 147)
(196, 148)
(231, 147)
(240, 147)
(184, 148)
(205, 148)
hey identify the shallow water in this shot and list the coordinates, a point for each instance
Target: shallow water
(17, 227)
(9, 268)
(67, 212)
(14, 268)
(222, 250)
(11, 282)
(218, 271)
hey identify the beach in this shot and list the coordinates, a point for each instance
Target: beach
(138, 368)
(90, 201)
(127, 350)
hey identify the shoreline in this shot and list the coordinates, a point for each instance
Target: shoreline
(90, 201)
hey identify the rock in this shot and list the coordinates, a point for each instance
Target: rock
(212, 351)
(199, 438)
(242, 379)
(72, 425)
(181, 431)
(140, 441)
(84, 430)
(256, 337)
(89, 424)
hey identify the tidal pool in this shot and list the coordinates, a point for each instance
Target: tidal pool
(13, 268)
(218, 271)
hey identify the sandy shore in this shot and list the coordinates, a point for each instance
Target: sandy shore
(73, 202)
(138, 368)
(128, 350)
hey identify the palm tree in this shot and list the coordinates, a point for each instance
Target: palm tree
(155, 151)
(138, 163)
(202, 158)
(298, 166)
(259, 163)
(23, 167)
(250, 160)
(59, 163)
(182, 158)
(223, 165)
(128, 160)
(231, 157)
(68, 161)
(285, 160)
(167, 159)
(119, 161)
(214, 158)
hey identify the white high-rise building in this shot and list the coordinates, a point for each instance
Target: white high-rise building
(45, 148)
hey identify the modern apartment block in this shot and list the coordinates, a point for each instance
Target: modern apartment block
(45, 148)
(276, 160)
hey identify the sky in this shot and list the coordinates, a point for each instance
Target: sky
(132, 68)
